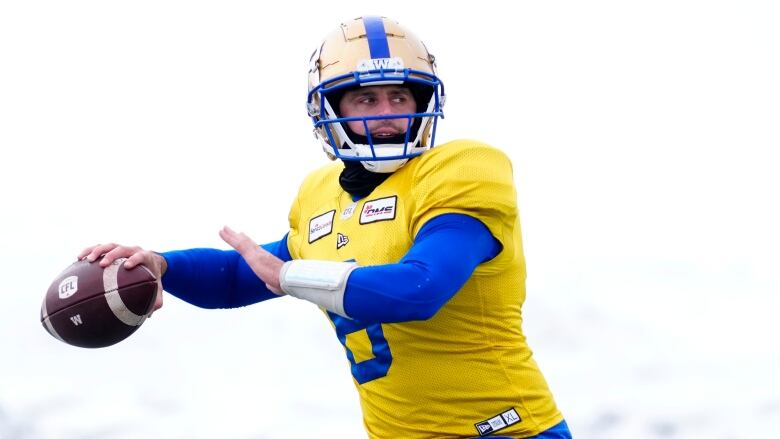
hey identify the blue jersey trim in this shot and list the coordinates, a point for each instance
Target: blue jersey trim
(377, 37)
(558, 431)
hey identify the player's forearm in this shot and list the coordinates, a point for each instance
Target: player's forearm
(211, 278)
(445, 254)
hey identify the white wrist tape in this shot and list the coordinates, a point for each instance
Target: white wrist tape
(319, 282)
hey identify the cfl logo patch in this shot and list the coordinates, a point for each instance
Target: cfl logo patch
(68, 287)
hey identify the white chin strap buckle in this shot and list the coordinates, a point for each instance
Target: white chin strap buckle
(384, 166)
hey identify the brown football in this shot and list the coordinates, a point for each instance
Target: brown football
(92, 307)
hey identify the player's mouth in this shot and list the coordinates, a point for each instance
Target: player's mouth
(386, 132)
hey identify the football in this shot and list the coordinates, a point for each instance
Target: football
(92, 307)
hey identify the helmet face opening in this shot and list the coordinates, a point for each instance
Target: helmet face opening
(375, 55)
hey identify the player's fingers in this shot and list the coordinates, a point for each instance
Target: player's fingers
(116, 253)
(239, 241)
(158, 301)
(98, 250)
(265, 265)
(228, 236)
(85, 252)
(136, 258)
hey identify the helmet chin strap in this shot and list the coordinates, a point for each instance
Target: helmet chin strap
(386, 167)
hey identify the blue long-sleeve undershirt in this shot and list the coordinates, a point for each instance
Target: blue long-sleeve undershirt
(211, 278)
(444, 255)
(442, 258)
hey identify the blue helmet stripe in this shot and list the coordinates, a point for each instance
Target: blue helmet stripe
(377, 38)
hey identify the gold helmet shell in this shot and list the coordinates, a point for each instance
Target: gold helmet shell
(369, 51)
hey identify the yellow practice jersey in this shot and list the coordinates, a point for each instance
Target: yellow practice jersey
(467, 370)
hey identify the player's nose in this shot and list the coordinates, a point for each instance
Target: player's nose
(384, 106)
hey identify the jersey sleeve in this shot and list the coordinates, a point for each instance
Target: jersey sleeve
(473, 179)
(442, 258)
(211, 278)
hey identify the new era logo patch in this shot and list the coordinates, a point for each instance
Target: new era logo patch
(484, 428)
(497, 422)
(341, 240)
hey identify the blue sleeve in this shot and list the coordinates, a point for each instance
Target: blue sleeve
(444, 255)
(211, 278)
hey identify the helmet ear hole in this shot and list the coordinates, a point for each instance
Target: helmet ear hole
(334, 99)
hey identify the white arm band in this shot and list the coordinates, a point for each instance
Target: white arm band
(319, 282)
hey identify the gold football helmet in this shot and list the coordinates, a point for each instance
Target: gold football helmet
(369, 51)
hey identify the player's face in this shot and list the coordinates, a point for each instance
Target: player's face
(379, 100)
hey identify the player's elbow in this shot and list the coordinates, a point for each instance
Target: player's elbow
(423, 299)
(423, 312)
(396, 309)
(411, 310)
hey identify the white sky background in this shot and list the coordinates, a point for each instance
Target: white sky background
(644, 139)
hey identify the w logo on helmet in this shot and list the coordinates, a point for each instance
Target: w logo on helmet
(365, 65)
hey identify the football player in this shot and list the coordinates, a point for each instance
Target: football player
(414, 253)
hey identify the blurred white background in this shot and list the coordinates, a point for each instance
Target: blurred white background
(644, 137)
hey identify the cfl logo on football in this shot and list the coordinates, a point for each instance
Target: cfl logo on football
(68, 287)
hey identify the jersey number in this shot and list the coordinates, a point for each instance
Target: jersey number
(367, 370)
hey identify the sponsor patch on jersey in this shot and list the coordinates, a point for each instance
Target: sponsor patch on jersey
(321, 225)
(497, 422)
(341, 240)
(381, 209)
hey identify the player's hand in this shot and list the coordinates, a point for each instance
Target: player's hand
(265, 265)
(135, 255)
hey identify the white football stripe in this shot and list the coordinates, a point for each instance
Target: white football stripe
(46, 322)
(111, 287)
(121, 311)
